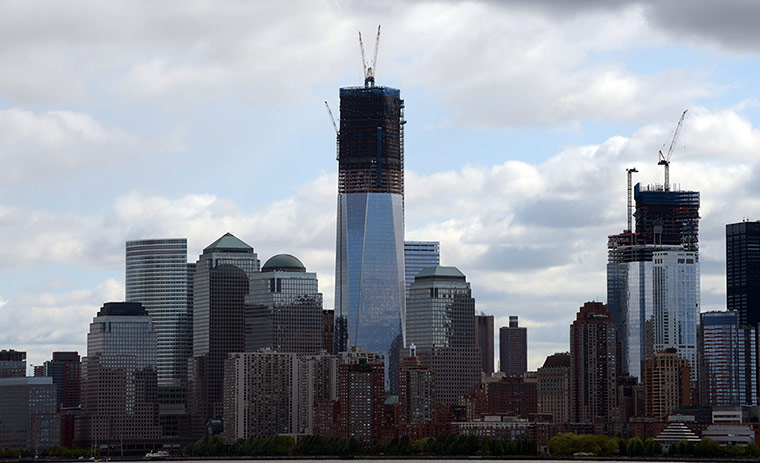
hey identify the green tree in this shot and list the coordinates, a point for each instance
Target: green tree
(635, 447)
(708, 448)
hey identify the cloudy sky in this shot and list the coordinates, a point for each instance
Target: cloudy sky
(127, 120)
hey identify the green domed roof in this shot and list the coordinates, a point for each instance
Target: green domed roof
(283, 263)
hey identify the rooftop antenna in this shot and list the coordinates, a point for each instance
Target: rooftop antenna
(630, 172)
(337, 131)
(369, 71)
(665, 159)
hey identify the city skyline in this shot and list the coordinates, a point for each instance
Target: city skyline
(521, 185)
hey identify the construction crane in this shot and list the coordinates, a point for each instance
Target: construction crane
(665, 159)
(630, 172)
(337, 131)
(369, 71)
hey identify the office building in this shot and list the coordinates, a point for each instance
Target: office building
(220, 285)
(28, 414)
(676, 304)
(441, 325)
(666, 383)
(553, 387)
(369, 262)
(484, 340)
(157, 277)
(743, 271)
(284, 308)
(513, 348)
(727, 353)
(65, 370)
(419, 255)
(119, 380)
(593, 365)
(12, 363)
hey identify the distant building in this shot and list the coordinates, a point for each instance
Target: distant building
(441, 324)
(318, 377)
(65, 368)
(284, 308)
(12, 364)
(28, 414)
(727, 361)
(484, 339)
(328, 331)
(513, 348)
(593, 365)
(666, 383)
(362, 395)
(419, 255)
(512, 395)
(553, 388)
(220, 285)
(415, 394)
(676, 304)
(119, 380)
(743, 271)
(159, 277)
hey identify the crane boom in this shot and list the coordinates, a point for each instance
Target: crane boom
(364, 61)
(332, 118)
(665, 159)
(377, 44)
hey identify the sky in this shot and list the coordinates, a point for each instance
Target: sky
(135, 119)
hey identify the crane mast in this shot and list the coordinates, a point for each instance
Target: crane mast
(665, 159)
(630, 200)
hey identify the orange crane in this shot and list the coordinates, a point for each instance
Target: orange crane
(665, 159)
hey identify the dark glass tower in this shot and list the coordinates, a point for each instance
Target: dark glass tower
(369, 266)
(743, 271)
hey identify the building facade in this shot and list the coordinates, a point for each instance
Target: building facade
(220, 285)
(484, 339)
(119, 380)
(157, 277)
(361, 396)
(666, 383)
(369, 262)
(64, 368)
(419, 255)
(593, 365)
(28, 414)
(727, 353)
(12, 363)
(415, 393)
(553, 387)
(676, 304)
(283, 309)
(513, 348)
(743, 271)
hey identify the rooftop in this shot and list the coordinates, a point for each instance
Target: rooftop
(122, 309)
(440, 272)
(228, 243)
(283, 263)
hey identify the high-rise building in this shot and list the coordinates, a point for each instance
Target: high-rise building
(727, 353)
(484, 340)
(743, 271)
(221, 284)
(666, 220)
(157, 277)
(513, 348)
(676, 304)
(419, 255)
(361, 396)
(593, 365)
(284, 308)
(512, 395)
(318, 377)
(415, 394)
(369, 262)
(328, 331)
(64, 368)
(119, 380)
(28, 418)
(12, 363)
(553, 387)
(440, 322)
(666, 383)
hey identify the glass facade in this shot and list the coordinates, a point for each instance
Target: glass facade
(157, 276)
(419, 255)
(676, 304)
(370, 270)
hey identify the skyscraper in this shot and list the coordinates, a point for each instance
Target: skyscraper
(119, 380)
(64, 368)
(553, 387)
(666, 383)
(727, 361)
(676, 304)
(593, 365)
(369, 289)
(419, 255)
(513, 348)
(484, 340)
(743, 271)
(221, 284)
(667, 217)
(440, 323)
(284, 308)
(157, 277)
